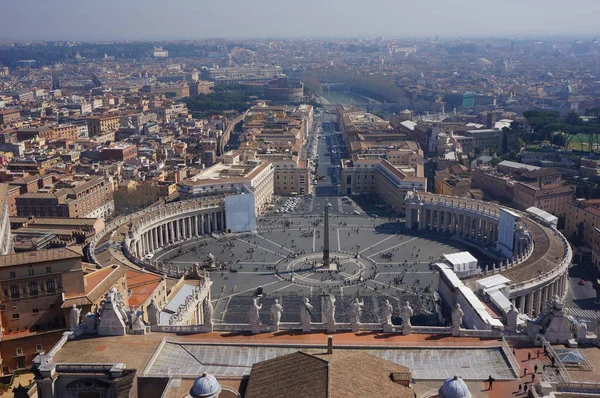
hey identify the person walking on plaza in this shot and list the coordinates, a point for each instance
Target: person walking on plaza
(490, 381)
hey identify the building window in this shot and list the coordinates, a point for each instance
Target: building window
(13, 274)
(33, 288)
(38, 347)
(50, 286)
(14, 291)
(49, 270)
(31, 272)
(15, 316)
(52, 305)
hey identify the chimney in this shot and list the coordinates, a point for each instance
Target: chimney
(330, 344)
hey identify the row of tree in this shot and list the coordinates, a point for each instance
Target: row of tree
(236, 97)
(547, 125)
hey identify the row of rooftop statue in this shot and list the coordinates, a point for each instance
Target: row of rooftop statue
(307, 317)
(113, 318)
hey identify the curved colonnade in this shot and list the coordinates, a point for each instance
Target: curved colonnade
(155, 228)
(541, 258)
(173, 223)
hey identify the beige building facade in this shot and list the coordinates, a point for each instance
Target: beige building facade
(378, 177)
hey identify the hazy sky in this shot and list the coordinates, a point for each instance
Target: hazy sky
(196, 19)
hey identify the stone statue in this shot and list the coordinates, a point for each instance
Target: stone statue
(511, 319)
(356, 311)
(330, 311)
(457, 317)
(74, 317)
(557, 303)
(153, 312)
(276, 310)
(405, 313)
(91, 322)
(581, 330)
(253, 314)
(209, 312)
(305, 316)
(387, 313)
(546, 306)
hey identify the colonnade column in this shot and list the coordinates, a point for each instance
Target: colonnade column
(529, 304)
(522, 304)
(537, 301)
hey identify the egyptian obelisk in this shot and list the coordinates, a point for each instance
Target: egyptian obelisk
(326, 237)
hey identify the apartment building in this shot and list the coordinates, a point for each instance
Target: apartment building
(583, 216)
(378, 177)
(33, 284)
(8, 116)
(99, 124)
(237, 172)
(292, 177)
(119, 153)
(86, 198)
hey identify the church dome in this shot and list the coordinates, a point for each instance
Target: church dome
(205, 386)
(454, 387)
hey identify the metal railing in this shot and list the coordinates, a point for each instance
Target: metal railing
(564, 374)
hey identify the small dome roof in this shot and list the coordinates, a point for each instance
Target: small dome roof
(205, 386)
(454, 387)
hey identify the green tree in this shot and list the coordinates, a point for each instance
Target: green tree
(574, 119)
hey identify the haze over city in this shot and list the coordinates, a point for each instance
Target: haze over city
(192, 19)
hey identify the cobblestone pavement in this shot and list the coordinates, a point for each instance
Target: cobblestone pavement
(283, 259)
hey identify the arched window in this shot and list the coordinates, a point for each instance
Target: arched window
(33, 288)
(50, 286)
(14, 291)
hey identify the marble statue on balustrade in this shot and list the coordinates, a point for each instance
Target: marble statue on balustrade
(91, 322)
(330, 313)
(74, 317)
(355, 313)
(405, 313)
(512, 317)
(209, 312)
(305, 314)
(253, 315)
(388, 310)
(276, 310)
(581, 330)
(153, 313)
(457, 318)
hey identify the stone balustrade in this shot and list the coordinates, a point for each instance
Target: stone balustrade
(191, 304)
